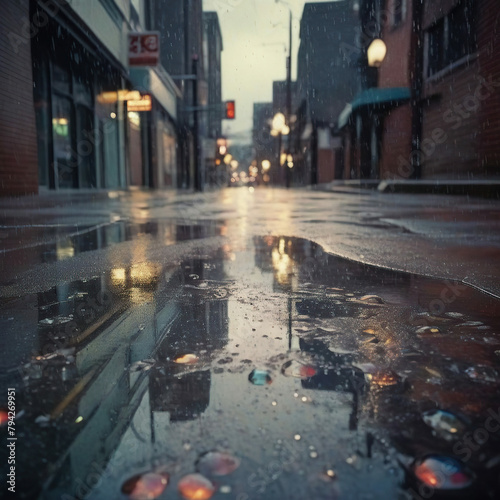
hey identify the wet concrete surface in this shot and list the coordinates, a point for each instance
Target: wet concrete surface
(137, 345)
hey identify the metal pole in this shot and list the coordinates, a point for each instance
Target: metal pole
(196, 145)
(416, 90)
(288, 172)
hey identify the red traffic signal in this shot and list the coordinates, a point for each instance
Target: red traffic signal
(230, 110)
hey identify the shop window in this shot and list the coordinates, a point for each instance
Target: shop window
(65, 165)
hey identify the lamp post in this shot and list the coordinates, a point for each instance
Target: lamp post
(288, 90)
(280, 128)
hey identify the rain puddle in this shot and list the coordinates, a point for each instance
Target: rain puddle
(48, 244)
(272, 371)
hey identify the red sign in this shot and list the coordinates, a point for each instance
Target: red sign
(144, 48)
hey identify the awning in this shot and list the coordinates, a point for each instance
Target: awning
(374, 97)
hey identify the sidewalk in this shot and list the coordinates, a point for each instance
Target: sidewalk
(476, 188)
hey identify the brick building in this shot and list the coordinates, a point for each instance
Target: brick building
(18, 146)
(431, 110)
(461, 90)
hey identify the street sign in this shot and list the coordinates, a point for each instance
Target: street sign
(144, 48)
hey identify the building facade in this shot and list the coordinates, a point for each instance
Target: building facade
(326, 80)
(377, 124)
(431, 107)
(69, 122)
(181, 27)
(216, 172)
(461, 90)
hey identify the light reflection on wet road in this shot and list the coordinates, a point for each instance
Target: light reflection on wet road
(321, 375)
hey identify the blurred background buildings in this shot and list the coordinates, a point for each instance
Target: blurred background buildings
(385, 89)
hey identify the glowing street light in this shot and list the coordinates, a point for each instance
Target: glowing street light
(376, 53)
(266, 165)
(279, 121)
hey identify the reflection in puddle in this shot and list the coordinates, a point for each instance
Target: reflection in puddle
(145, 366)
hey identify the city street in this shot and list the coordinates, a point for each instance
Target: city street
(251, 343)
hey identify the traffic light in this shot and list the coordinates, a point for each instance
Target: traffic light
(230, 110)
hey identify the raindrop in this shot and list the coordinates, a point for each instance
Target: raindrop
(427, 329)
(196, 487)
(444, 424)
(42, 420)
(380, 377)
(260, 377)
(187, 359)
(454, 315)
(372, 299)
(313, 454)
(145, 365)
(482, 374)
(145, 486)
(217, 463)
(297, 437)
(297, 369)
(330, 474)
(225, 489)
(443, 473)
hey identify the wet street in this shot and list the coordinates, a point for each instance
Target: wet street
(241, 344)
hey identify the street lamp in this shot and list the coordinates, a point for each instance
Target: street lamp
(278, 122)
(376, 53)
(278, 129)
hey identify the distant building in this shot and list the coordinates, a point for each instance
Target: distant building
(326, 80)
(212, 51)
(213, 48)
(180, 23)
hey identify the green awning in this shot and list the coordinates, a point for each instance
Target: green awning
(380, 96)
(374, 97)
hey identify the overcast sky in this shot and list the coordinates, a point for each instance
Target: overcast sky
(255, 39)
